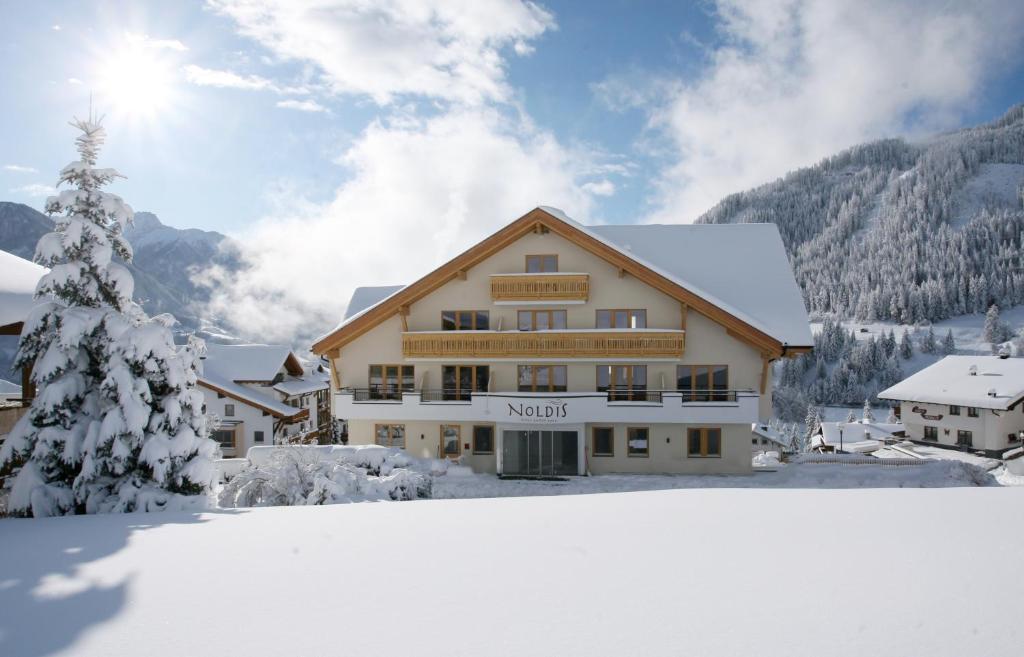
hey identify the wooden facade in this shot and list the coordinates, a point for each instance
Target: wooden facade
(542, 344)
(540, 287)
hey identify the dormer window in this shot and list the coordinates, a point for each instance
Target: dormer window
(541, 264)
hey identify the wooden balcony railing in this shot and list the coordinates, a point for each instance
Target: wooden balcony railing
(543, 344)
(540, 287)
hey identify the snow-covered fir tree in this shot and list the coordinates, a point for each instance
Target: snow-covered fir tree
(117, 422)
(995, 330)
(928, 343)
(867, 415)
(891, 418)
(851, 417)
(906, 346)
(948, 343)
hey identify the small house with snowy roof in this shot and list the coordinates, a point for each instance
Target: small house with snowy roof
(263, 395)
(553, 348)
(967, 402)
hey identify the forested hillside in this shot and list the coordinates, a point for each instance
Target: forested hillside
(901, 231)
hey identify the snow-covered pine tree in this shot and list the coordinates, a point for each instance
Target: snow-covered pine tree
(948, 343)
(906, 346)
(851, 417)
(812, 423)
(109, 379)
(891, 418)
(928, 344)
(995, 330)
(868, 415)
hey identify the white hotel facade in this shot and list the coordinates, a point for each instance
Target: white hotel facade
(552, 348)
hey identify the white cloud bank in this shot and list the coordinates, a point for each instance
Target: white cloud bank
(34, 190)
(18, 168)
(798, 80)
(450, 50)
(301, 105)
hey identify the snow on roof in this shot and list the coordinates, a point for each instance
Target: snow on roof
(246, 394)
(9, 389)
(771, 434)
(756, 285)
(18, 279)
(300, 386)
(741, 268)
(861, 437)
(997, 384)
(247, 362)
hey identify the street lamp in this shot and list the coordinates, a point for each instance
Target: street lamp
(841, 427)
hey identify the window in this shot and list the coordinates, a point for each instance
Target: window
(542, 378)
(537, 264)
(623, 382)
(636, 441)
(390, 381)
(964, 438)
(458, 382)
(972, 411)
(954, 410)
(225, 437)
(931, 433)
(541, 320)
(483, 439)
(229, 410)
(450, 441)
(465, 320)
(257, 436)
(704, 442)
(390, 435)
(621, 319)
(603, 441)
(703, 382)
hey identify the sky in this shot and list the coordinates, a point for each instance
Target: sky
(345, 143)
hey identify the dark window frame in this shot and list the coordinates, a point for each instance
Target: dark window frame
(543, 260)
(613, 315)
(593, 440)
(630, 451)
(474, 320)
(489, 427)
(703, 437)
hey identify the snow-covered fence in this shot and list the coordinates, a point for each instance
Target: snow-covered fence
(855, 459)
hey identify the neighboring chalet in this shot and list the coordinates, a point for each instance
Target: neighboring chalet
(553, 348)
(18, 280)
(858, 437)
(262, 395)
(966, 402)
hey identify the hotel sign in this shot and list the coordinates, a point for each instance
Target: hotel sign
(549, 411)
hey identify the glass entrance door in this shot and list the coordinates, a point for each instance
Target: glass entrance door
(540, 453)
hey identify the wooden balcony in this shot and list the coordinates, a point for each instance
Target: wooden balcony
(527, 345)
(539, 287)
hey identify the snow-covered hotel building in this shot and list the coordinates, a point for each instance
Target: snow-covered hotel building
(262, 395)
(553, 348)
(970, 402)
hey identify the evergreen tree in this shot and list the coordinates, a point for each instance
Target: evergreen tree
(906, 346)
(928, 344)
(812, 424)
(117, 412)
(891, 418)
(995, 330)
(868, 415)
(850, 417)
(948, 344)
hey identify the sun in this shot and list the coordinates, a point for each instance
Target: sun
(136, 82)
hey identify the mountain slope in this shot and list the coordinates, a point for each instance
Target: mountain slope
(900, 231)
(163, 261)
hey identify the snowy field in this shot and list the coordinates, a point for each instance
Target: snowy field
(680, 572)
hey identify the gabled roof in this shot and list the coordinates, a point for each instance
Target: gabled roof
(747, 313)
(241, 393)
(18, 280)
(250, 362)
(998, 383)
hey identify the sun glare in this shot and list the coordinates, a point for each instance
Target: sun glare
(136, 83)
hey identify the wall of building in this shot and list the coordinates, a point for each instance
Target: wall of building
(989, 430)
(250, 420)
(667, 448)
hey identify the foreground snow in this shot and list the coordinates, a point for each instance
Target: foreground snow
(678, 572)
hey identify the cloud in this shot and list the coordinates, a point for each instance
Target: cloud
(449, 50)
(420, 192)
(600, 188)
(17, 168)
(34, 190)
(74, 81)
(793, 81)
(301, 105)
(156, 44)
(208, 77)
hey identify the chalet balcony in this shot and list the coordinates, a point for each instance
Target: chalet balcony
(563, 344)
(540, 288)
(639, 406)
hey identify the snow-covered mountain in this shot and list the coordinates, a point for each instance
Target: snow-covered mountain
(164, 257)
(894, 230)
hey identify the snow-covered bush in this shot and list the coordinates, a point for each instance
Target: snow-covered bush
(296, 476)
(117, 422)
